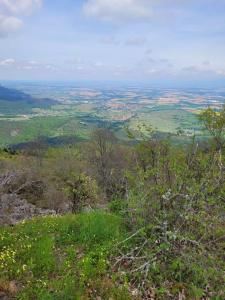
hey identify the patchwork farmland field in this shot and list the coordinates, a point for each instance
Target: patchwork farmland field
(60, 109)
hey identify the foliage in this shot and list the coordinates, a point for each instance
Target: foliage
(82, 191)
(173, 209)
(214, 123)
(166, 242)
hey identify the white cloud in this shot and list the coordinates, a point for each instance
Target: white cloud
(29, 65)
(19, 6)
(201, 71)
(119, 10)
(160, 11)
(33, 62)
(220, 72)
(11, 12)
(51, 67)
(7, 62)
(9, 25)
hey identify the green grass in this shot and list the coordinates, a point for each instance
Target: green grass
(166, 120)
(60, 257)
(13, 132)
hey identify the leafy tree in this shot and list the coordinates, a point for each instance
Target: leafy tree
(82, 191)
(214, 123)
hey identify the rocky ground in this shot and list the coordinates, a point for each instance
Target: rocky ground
(14, 207)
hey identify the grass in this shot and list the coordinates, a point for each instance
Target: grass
(13, 132)
(166, 120)
(60, 258)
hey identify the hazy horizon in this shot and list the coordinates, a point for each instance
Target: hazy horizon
(89, 83)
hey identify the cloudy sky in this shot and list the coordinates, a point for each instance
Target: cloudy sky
(140, 40)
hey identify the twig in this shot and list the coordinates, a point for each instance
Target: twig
(130, 237)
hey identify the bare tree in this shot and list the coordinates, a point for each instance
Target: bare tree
(101, 154)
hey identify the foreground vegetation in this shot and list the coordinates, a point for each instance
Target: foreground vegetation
(158, 232)
(61, 258)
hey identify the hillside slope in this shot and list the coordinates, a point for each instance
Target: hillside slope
(15, 101)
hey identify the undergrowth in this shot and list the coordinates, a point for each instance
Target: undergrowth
(60, 258)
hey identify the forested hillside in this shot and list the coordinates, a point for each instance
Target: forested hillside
(125, 220)
(17, 102)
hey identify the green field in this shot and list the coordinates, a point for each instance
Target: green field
(78, 111)
(167, 120)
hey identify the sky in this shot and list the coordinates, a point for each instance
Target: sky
(136, 40)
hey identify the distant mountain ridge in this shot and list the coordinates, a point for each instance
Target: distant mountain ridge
(13, 95)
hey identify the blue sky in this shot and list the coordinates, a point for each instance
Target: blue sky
(138, 40)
